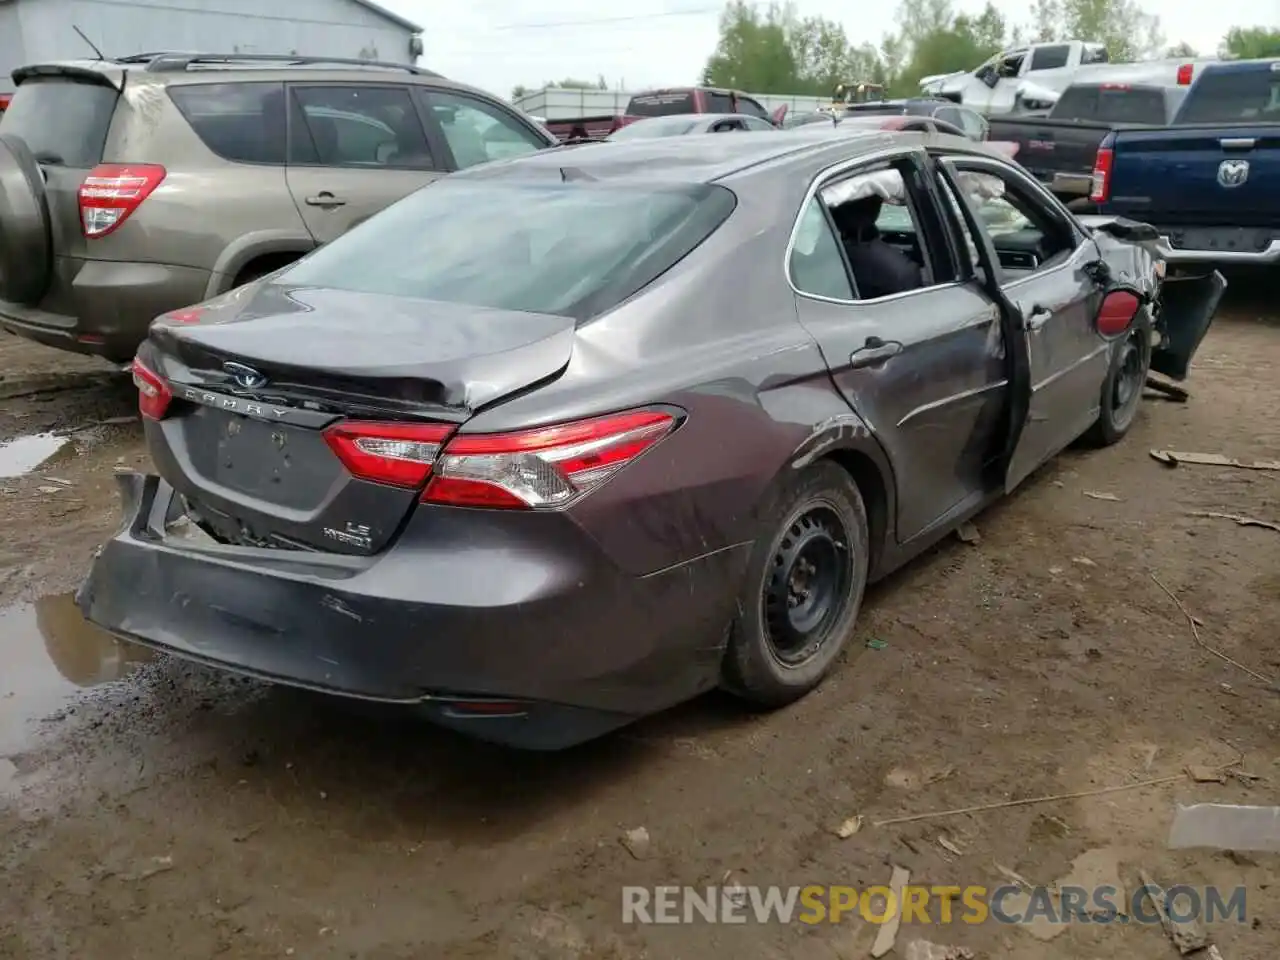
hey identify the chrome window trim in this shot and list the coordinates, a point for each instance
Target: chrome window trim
(819, 180)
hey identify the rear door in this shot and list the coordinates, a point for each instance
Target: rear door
(63, 118)
(924, 364)
(1042, 257)
(354, 149)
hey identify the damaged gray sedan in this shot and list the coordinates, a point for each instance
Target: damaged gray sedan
(560, 442)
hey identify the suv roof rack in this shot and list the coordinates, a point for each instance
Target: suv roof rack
(171, 62)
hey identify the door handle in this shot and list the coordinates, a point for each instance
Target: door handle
(326, 200)
(1038, 317)
(874, 353)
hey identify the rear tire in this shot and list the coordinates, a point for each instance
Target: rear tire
(1122, 388)
(803, 588)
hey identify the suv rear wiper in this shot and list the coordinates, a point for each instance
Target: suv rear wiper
(53, 159)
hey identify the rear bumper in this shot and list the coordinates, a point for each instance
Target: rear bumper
(545, 621)
(108, 307)
(1244, 258)
(1199, 245)
(1071, 184)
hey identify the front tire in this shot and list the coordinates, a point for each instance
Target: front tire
(1122, 388)
(803, 589)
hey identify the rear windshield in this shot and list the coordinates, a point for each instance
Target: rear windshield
(570, 249)
(63, 121)
(1221, 96)
(1112, 104)
(662, 104)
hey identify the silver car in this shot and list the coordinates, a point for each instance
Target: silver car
(680, 124)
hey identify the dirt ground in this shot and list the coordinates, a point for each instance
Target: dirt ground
(179, 813)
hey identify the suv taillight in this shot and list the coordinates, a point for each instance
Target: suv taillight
(1100, 191)
(112, 191)
(1185, 72)
(5, 99)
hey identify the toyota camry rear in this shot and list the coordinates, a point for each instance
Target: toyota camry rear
(332, 510)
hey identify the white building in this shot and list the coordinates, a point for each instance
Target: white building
(34, 30)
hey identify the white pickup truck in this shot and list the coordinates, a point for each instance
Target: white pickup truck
(1031, 78)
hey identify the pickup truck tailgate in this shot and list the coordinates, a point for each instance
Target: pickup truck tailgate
(1212, 176)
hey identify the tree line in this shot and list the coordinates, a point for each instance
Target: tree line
(771, 48)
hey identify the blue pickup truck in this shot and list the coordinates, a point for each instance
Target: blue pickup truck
(1210, 182)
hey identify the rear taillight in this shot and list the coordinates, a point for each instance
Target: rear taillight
(112, 191)
(5, 99)
(1100, 191)
(1185, 72)
(545, 467)
(154, 395)
(397, 454)
(1118, 310)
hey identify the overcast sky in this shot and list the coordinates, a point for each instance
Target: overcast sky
(497, 44)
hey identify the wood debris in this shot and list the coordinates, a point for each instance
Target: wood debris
(849, 827)
(888, 932)
(1172, 458)
(1188, 936)
(1013, 876)
(1242, 521)
(1102, 496)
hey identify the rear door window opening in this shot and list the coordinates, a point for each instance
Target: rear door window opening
(885, 229)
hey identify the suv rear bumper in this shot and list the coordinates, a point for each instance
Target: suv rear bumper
(545, 622)
(109, 306)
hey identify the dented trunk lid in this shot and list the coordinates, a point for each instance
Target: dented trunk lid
(257, 376)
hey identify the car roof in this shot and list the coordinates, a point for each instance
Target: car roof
(706, 159)
(1242, 66)
(234, 68)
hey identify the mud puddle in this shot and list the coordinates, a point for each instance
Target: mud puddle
(21, 455)
(49, 654)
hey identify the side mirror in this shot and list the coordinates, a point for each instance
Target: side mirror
(990, 76)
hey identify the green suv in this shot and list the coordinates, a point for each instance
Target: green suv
(133, 187)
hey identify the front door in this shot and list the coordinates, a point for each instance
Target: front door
(1043, 262)
(354, 150)
(923, 366)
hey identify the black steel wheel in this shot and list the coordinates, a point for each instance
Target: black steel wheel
(1123, 386)
(803, 588)
(810, 582)
(1131, 376)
